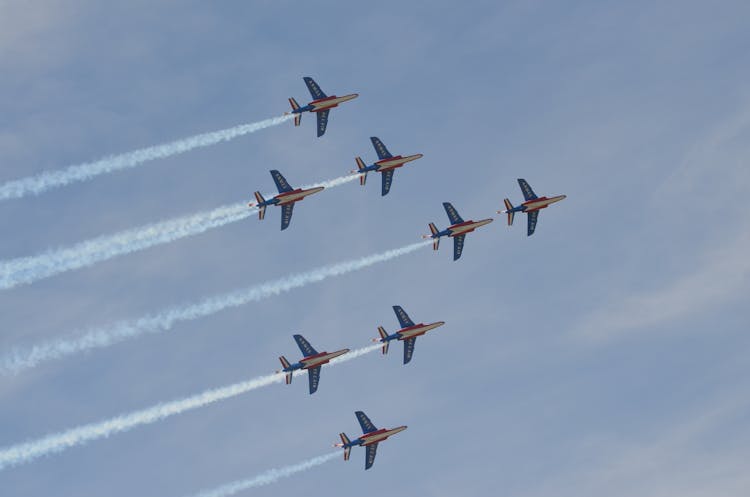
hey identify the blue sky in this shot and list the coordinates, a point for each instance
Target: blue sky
(608, 352)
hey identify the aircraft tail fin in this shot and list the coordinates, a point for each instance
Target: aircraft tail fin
(261, 208)
(295, 106)
(509, 211)
(436, 241)
(345, 444)
(383, 337)
(285, 363)
(360, 167)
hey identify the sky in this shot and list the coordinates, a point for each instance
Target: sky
(607, 352)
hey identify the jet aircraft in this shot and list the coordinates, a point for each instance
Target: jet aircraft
(457, 230)
(369, 440)
(285, 199)
(531, 206)
(312, 361)
(408, 333)
(321, 105)
(386, 165)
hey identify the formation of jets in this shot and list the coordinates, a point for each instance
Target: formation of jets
(313, 361)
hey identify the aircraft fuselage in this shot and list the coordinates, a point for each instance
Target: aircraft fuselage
(466, 227)
(295, 195)
(394, 162)
(539, 203)
(417, 330)
(377, 436)
(325, 103)
(316, 360)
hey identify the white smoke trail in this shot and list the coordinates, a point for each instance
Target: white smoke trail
(57, 442)
(25, 270)
(20, 359)
(267, 477)
(81, 172)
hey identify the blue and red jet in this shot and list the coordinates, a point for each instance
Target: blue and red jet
(285, 199)
(386, 165)
(407, 334)
(321, 105)
(370, 438)
(531, 206)
(312, 361)
(457, 230)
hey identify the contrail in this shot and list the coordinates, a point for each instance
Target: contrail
(82, 172)
(57, 442)
(266, 478)
(24, 270)
(20, 359)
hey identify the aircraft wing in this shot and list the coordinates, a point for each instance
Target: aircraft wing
(528, 193)
(286, 215)
(458, 246)
(409, 348)
(387, 180)
(304, 346)
(452, 213)
(322, 121)
(313, 374)
(281, 183)
(315, 90)
(364, 422)
(531, 222)
(370, 455)
(380, 149)
(403, 317)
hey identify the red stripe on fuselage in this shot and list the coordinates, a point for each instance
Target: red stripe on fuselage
(390, 166)
(312, 358)
(365, 438)
(544, 201)
(416, 326)
(322, 103)
(459, 225)
(286, 194)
